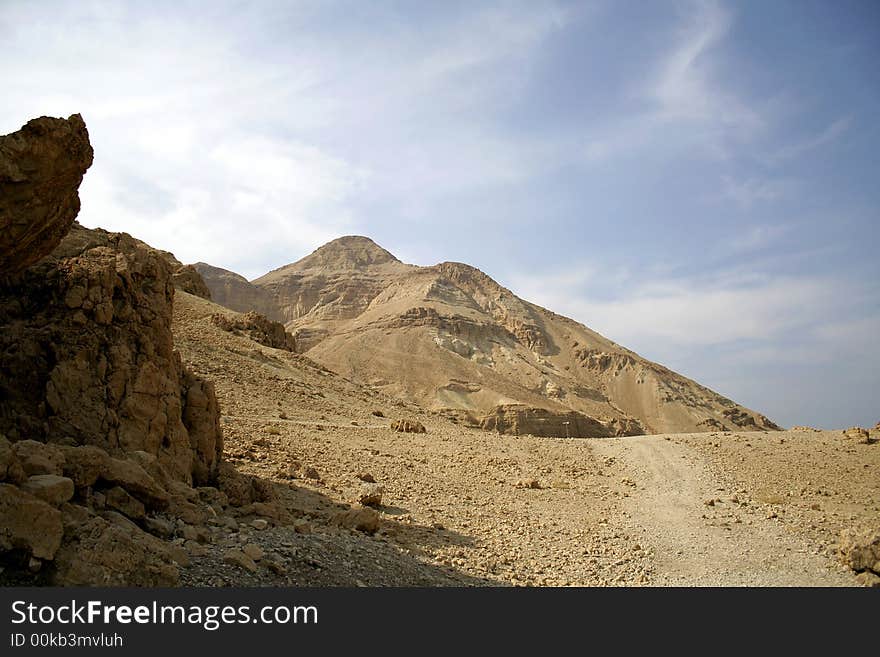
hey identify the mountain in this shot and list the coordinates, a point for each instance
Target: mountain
(452, 340)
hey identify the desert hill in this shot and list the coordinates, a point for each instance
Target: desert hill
(151, 437)
(452, 340)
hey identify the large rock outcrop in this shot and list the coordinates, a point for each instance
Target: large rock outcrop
(87, 357)
(103, 431)
(520, 420)
(41, 168)
(257, 328)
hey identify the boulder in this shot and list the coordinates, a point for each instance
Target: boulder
(408, 426)
(254, 551)
(860, 549)
(118, 498)
(858, 434)
(363, 519)
(28, 523)
(134, 479)
(370, 494)
(97, 552)
(41, 168)
(240, 559)
(39, 458)
(50, 488)
(84, 464)
(10, 468)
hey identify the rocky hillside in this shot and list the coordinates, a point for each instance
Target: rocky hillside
(451, 339)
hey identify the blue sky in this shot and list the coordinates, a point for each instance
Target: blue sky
(696, 180)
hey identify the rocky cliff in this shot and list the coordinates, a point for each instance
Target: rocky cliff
(109, 446)
(41, 168)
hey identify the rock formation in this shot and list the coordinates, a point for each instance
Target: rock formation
(521, 420)
(451, 339)
(87, 357)
(103, 432)
(41, 168)
(257, 328)
(860, 550)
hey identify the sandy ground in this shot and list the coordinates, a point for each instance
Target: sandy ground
(466, 507)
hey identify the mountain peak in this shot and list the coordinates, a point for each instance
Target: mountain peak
(347, 253)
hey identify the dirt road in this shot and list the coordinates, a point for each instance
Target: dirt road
(701, 532)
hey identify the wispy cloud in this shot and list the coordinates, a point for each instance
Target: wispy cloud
(687, 86)
(760, 237)
(750, 191)
(830, 134)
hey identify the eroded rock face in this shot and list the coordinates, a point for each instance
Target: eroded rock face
(41, 168)
(258, 328)
(87, 357)
(520, 420)
(188, 279)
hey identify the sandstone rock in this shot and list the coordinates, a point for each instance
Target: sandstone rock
(519, 420)
(96, 552)
(275, 564)
(239, 558)
(197, 534)
(213, 496)
(188, 279)
(118, 498)
(259, 524)
(858, 434)
(302, 526)
(242, 489)
(179, 555)
(253, 551)
(370, 494)
(258, 328)
(868, 579)
(28, 523)
(84, 464)
(363, 519)
(408, 426)
(188, 512)
(159, 527)
(50, 488)
(10, 468)
(860, 550)
(117, 384)
(39, 458)
(134, 479)
(195, 549)
(41, 168)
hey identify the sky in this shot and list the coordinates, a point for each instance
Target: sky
(698, 181)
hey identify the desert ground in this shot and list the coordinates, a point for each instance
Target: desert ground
(461, 506)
